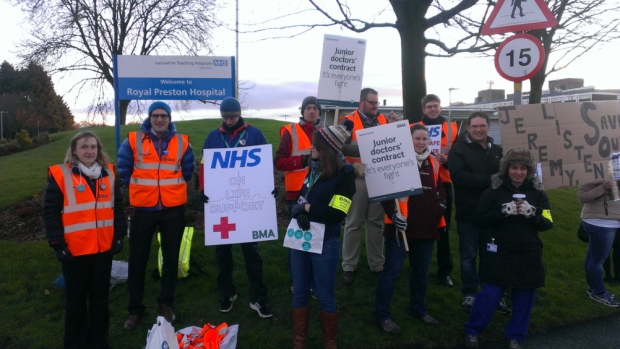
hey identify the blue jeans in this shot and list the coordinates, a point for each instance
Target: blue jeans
(601, 240)
(324, 267)
(486, 303)
(469, 243)
(420, 253)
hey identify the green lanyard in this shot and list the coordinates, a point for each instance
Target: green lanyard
(311, 182)
(240, 137)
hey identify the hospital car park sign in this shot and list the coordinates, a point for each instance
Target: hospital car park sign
(174, 77)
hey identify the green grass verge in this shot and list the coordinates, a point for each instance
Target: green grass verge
(32, 307)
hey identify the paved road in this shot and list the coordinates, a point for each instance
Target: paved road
(603, 333)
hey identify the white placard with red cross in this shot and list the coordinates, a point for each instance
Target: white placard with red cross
(241, 208)
(519, 57)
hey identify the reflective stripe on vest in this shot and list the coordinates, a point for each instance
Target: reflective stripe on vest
(300, 144)
(359, 125)
(156, 178)
(88, 220)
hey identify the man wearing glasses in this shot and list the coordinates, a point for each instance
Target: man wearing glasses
(431, 108)
(155, 163)
(361, 209)
(472, 161)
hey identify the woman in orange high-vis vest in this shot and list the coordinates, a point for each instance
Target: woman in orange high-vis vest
(85, 226)
(425, 215)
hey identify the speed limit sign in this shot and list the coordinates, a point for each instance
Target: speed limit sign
(519, 57)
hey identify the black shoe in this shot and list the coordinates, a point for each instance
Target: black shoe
(471, 342)
(167, 313)
(348, 277)
(261, 309)
(226, 303)
(503, 308)
(445, 280)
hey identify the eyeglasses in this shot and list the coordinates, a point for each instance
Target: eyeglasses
(372, 102)
(162, 116)
(432, 106)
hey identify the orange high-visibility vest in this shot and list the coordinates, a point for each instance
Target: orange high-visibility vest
(448, 137)
(402, 202)
(154, 178)
(87, 219)
(358, 125)
(300, 144)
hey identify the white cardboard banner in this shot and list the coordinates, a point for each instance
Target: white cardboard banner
(391, 166)
(434, 138)
(241, 208)
(342, 68)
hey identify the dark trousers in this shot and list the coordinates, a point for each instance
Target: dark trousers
(171, 223)
(613, 258)
(253, 270)
(444, 254)
(87, 280)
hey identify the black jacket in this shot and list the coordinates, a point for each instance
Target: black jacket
(517, 264)
(471, 167)
(320, 196)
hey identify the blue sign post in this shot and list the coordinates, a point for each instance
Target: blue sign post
(170, 78)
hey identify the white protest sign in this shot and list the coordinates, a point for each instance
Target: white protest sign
(391, 166)
(434, 138)
(342, 69)
(241, 208)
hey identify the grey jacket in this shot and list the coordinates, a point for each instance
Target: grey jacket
(594, 196)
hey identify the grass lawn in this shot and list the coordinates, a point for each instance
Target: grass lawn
(32, 307)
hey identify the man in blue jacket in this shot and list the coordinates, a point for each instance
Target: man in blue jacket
(233, 133)
(155, 163)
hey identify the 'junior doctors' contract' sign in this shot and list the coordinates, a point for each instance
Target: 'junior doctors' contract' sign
(391, 166)
(342, 70)
(241, 208)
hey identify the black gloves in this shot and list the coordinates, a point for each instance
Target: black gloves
(399, 221)
(303, 221)
(274, 192)
(305, 159)
(204, 198)
(299, 213)
(117, 246)
(63, 254)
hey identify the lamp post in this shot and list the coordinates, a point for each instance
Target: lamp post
(448, 145)
(2, 123)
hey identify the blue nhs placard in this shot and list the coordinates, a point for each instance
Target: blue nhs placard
(175, 77)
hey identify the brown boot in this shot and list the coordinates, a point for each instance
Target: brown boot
(329, 324)
(300, 327)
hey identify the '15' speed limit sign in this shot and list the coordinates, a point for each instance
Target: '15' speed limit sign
(519, 57)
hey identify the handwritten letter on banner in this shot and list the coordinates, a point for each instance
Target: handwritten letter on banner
(391, 166)
(572, 141)
(241, 208)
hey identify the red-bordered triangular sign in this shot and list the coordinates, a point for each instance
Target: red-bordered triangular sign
(518, 15)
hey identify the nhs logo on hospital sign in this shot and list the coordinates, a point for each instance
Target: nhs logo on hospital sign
(174, 77)
(241, 208)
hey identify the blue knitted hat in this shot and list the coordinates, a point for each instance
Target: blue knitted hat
(230, 108)
(160, 105)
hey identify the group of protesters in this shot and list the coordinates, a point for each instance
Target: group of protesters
(500, 209)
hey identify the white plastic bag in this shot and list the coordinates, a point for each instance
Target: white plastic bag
(161, 336)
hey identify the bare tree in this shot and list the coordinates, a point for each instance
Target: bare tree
(582, 25)
(83, 36)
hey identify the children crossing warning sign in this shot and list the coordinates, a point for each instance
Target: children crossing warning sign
(518, 15)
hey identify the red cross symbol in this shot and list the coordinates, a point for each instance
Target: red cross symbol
(224, 227)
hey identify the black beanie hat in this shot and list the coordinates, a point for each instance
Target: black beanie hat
(310, 100)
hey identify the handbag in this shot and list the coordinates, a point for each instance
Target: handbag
(161, 335)
(581, 234)
(308, 241)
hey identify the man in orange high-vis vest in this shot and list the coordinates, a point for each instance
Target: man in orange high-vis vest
(361, 209)
(294, 149)
(431, 108)
(155, 163)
